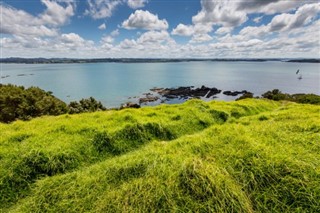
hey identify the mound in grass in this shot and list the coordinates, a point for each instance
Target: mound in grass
(244, 156)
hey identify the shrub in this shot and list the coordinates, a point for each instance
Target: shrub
(85, 105)
(276, 95)
(245, 95)
(16, 102)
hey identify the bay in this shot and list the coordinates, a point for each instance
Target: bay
(116, 83)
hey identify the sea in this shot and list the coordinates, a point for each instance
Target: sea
(116, 83)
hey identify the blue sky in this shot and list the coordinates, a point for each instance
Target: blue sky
(160, 28)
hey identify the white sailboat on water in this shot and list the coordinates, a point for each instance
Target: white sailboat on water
(300, 76)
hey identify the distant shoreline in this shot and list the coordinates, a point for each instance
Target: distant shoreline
(143, 60)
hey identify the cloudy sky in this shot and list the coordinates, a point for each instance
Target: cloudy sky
(160, 28)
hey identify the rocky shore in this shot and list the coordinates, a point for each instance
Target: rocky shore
(164, 95)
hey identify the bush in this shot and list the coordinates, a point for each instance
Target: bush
(245, 95)
(85, 105)
(277, 95)
(16, 102)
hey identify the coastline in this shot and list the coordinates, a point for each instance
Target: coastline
(17, 60)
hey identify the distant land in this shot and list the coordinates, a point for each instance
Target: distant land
(142, 60)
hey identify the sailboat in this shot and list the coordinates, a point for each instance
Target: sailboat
(300, 76)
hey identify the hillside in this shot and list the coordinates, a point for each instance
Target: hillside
(245, 156)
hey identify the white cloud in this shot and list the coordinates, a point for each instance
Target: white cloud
(72, 42)
(154, 37)
(128, 44)
(115, 33)
(224, 30)
(102, 27)
(183, 30)
(268, 7)
(285, 22)
(304, 15)
(107, 39)
(255, 32)
(291, 34)
(220, 13)
(144, 20)
(137, 3)
(258, 19)
(99, 9)
(20, 23)
(199, 38)
(56, 14)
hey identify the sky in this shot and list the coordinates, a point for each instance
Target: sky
(160, 28)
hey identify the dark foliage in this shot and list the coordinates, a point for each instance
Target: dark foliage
(85, 105)
(245, 95)
(277, 95)
(16, 102)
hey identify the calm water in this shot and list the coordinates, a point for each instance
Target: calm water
(114, 83)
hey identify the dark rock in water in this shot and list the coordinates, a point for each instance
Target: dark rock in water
(156, 89)
(148, 98)
(213, 91)
(147, 94)
(187, 92)
(234, 93)
(129, 105)
(170, 96)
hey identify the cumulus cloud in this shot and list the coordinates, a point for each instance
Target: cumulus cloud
(73, 41)
(134, 4)
(267, 7)
(304, 15)
(199, 38)
(154, 37)
(128, 44)
(258, 19)
(20, 23)
(294, 33)
(183, 30)
(220, 12)
(224, 30)
(149, 44)
(102, 27)
(199, 32)
(285, 22)
(55, 13)
(70, 45)
(107, 39)
(99, 9)
(115, 33)
(141, 19)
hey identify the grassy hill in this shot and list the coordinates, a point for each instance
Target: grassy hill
(245, 156)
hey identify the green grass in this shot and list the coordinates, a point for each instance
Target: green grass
(244, 156)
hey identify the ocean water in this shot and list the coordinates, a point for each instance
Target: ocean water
(117, 83)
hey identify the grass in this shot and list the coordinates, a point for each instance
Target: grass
(244, 156)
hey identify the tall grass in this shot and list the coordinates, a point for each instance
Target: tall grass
(245, 156)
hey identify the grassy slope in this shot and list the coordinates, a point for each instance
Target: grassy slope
(246, 156)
